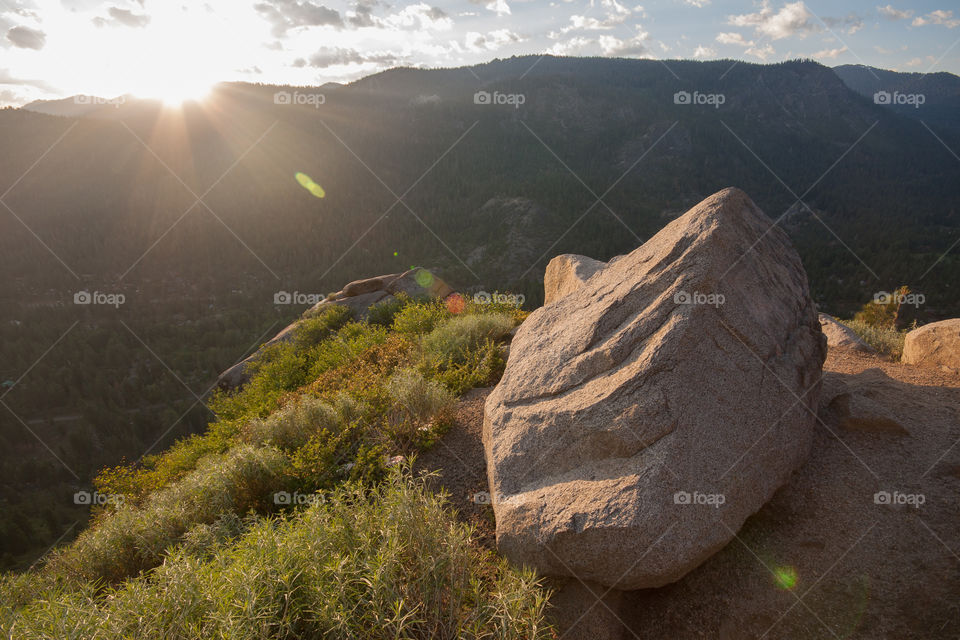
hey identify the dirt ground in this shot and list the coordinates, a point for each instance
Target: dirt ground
(825, 558)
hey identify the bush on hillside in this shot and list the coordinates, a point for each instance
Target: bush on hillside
(385, 563)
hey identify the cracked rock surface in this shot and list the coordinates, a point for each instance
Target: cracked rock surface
(645, 415)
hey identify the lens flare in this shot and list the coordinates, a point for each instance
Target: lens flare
(424, 278)
(785, 578)
(456, 303)
(307, 183)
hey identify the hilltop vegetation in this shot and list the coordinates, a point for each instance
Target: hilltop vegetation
(295, 514)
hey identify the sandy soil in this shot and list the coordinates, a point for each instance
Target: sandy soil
(855, 568)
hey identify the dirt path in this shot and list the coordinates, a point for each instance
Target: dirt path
(855, 568)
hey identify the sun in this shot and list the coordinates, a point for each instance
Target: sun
(174, 93)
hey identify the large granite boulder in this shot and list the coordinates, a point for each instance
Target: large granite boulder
(934, 345)
(645, 415)
(359, 296)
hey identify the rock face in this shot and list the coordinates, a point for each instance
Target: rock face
(644, 416)
(839, 335)
(566, 273)
(934, 345)
(359, 296)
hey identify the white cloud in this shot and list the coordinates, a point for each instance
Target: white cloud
(630, 48)
(572, 46)
(891, 13)
(704, 52)
(939, 16)
(914, 62)
(475, 41)
(731, 37)
(419, 16)
(763, 52)
(830, 53)
(697, 3)
(500, 7)
(792, 19)
(27, 38)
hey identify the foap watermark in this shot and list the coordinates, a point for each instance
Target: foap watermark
(285, 498)
(715, 500)
(483, 297)
(708, 99)
(97, 101)
(902, 299)
(482, 497)
(99, 298)
(710, 299)
(897, 498)
(512, 99)
(285, 297)
(96, 498)
(899, 99)
(297, 98)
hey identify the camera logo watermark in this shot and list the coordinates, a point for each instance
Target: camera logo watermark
(715, 500)
(483, 497)
(94, 100)
(513, 99)
(710, 99)
(902, 299)
(914, 500)
(98, 298)
(710, 299)
(483, 297)
(97, 498)
(899, 99)
(285, 297)
(285, 498)
(298, 98)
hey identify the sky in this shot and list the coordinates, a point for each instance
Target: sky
(175, 50)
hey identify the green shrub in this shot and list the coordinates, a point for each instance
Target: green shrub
(479, 367)
(382, 314)
(291, 426)
(134, 538)
(385, 563)
(420, 317)
(453, 341)
(422, 409)
(885, 339)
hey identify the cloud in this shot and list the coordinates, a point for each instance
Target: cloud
(500, 7)
(914, 62)
(122, 17)
(290, 14)
(334, 56)
(6, 78)
(492, 41)
(697, 3)
(792, 19)
(616, 14)
(419, 16)
(572, 46)
(830, 53)
(362, 15)
(733, 38)
(939, 16)
(890, 13)
(704, 52)
(852, 23)
(629, 48)
(763, 52)
(27, 38)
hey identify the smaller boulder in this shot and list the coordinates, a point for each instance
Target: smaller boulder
(840, 335)
(934, 345)
(566, 273)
